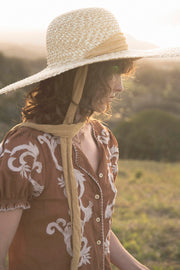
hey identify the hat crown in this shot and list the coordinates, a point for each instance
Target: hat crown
(71, 35)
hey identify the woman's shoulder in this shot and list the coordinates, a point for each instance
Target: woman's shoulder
(99, 125)
(103, 133)
(24, 136)
(19, 135)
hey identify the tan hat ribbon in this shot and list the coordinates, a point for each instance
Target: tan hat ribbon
(78, 87)
(113, 44)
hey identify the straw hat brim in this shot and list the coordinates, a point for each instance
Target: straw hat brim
(53, 70)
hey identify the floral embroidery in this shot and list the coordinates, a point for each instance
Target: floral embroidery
(84, 253)
(1, 149)
(52, 142)
(104, 138)
(66, 229)
(112, 161)
(37, 189)
(61, 183)
(107, 243)
(5, 150)
(24, 168)
(114, 152)
(111, 177)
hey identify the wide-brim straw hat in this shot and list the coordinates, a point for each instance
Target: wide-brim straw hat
(84, 37)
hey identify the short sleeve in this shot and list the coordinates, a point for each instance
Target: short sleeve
(21, 176)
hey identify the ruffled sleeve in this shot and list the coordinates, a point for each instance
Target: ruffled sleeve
(21, 171)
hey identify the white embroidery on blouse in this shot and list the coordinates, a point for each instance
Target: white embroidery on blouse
(37, 188)
(84, 253)
(5, 150)
(80, 179)
(52, 142)
(112, 167)
(101, 204)
(108, 215)
(5, 209)
(65, 229)
(111, 177)
(61, 182)
(104, 138)
(107, 241)
(1, 149)
(113, 152)
(24, 168)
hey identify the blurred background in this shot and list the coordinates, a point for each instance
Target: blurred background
(145, 119)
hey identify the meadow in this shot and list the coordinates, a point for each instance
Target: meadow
(146, 217)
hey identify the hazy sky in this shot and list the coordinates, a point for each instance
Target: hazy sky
(156, 21)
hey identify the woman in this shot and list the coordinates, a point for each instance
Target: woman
(58, 168)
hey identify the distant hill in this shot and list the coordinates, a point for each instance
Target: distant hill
(24, 51)
(31, 45)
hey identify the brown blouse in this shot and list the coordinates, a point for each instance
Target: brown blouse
(31, 178)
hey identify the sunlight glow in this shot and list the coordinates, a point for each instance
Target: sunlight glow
(155, 21)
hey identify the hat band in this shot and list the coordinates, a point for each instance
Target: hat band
(113, 44)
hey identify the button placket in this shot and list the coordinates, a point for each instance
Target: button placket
(98, 242)
(97, 196)
(98, 219)
(101, 175)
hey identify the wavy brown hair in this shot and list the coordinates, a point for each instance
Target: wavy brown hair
(48, 102)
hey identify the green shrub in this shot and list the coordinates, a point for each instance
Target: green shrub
(151, 134)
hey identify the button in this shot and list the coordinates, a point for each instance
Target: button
(98, 242)
(101, 175)
(97, 196)
(98, 219)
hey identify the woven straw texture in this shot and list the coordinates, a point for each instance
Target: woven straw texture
(72, 35)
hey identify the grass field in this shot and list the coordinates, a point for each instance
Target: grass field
(146, 217)
(147, 212)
